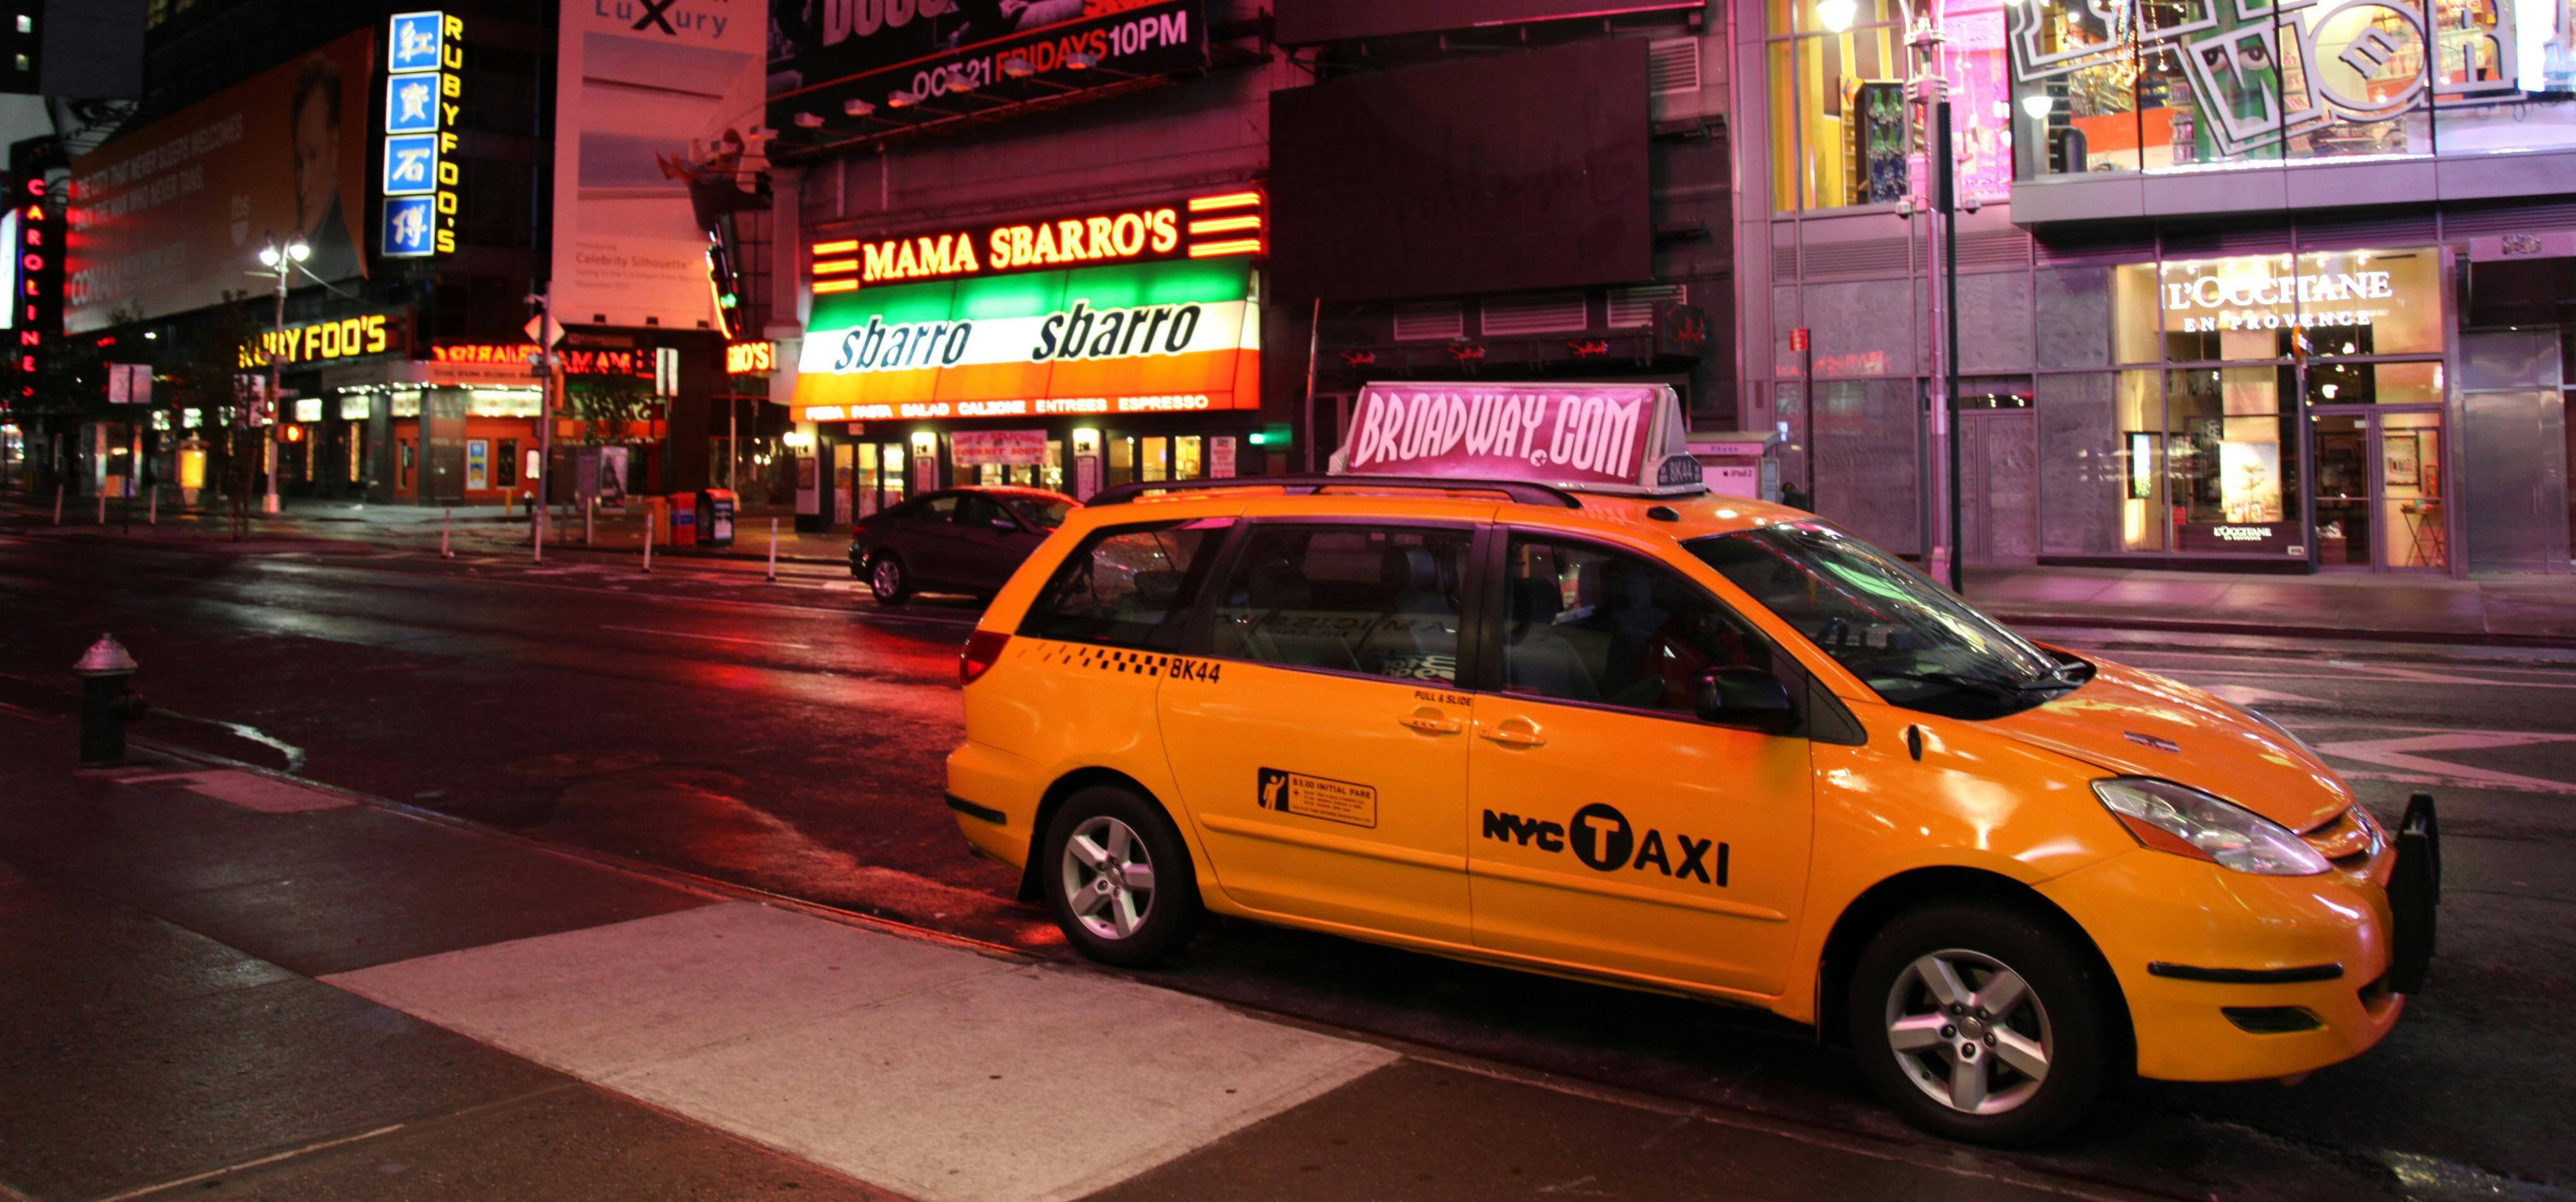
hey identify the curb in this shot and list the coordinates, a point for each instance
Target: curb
(2466, 638)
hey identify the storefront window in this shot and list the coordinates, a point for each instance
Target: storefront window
(1186, 464)
(1152, 459)
(2101, 85)
(1843, 138)
(1122, 461)
(2232, 458)
(2141, 458)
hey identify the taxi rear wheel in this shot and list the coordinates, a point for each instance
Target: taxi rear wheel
(1118, 878)
(1981, 1023)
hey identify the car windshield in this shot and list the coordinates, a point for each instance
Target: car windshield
(1044, 515)
(1912, 641)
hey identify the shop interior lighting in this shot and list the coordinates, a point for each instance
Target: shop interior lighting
(2037, 104)
(1836, 15)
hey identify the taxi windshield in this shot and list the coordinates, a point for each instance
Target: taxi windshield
(1912, 641)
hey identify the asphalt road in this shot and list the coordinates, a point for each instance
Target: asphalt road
(788, 736)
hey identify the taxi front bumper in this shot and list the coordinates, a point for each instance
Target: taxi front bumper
(2233, 977)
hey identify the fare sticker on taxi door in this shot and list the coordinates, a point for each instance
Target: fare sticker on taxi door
(1317, 797)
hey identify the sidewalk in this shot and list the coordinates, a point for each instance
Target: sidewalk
(2500, 610)
(224, 983)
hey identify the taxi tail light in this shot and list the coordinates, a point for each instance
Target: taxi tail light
(983, 650)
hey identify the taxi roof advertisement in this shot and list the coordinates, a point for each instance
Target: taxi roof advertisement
(1162, 337)
(1600, 437)
(166, 218)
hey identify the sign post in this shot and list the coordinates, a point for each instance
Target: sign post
(543, 331)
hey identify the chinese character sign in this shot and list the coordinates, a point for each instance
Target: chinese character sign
(424, 66)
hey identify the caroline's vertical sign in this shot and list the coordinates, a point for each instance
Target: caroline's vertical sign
(34, 231)
(424, 86)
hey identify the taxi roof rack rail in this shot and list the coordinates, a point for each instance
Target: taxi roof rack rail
(1521, 491)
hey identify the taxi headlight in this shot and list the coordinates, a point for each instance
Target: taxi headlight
(2188, 822)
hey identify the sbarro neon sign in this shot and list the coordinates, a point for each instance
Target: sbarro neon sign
(1600, 437)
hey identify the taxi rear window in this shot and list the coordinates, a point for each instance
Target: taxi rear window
(1126, 586)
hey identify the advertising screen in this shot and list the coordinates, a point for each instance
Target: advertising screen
(1174, 336)
(1311, 21)
(828, 52)
(167, 217)
(1525, 170)
(631, 96)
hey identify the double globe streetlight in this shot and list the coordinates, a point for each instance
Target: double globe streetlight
(284, 260)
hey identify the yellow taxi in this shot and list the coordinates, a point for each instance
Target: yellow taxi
(1676, 741)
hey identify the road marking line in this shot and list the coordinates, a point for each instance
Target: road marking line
(2401, 754)
(712, 638)
(272, 1158)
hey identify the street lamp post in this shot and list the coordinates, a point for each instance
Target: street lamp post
(282, 261)
(1931, 90)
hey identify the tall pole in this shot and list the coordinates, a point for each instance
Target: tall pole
(276, 354)
(1947, 175)
(545, 423)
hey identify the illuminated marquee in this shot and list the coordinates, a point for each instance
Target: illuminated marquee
(1202, 227)
(1168, 337)
(623, 362)
(424, 89)
(315, 342)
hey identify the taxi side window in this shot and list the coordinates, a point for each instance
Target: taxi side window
(1587, 623)
(1382, 601)
(1128, 586)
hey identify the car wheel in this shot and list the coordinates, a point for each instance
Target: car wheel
(1982, 1024)
(887, 579)
(1118, 878)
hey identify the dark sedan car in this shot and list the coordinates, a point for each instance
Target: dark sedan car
(963, 540)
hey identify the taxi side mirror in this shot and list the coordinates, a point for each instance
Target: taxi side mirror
(1745, 697)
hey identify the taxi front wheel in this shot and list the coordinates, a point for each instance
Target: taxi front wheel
(1981, 1024)
(1118, 878)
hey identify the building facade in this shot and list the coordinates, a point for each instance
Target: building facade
(2253, 287)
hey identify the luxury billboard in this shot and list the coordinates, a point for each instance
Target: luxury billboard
(167, 217)
(1164, 337)
(636, 85)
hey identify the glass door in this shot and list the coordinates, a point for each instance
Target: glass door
(2415, 532)
(2379, 490)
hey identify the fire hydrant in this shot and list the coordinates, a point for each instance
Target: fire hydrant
(107, 704)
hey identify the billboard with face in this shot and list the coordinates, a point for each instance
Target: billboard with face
(165, 218)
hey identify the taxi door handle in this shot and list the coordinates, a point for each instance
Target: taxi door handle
(1428, 721)
(1513, 732)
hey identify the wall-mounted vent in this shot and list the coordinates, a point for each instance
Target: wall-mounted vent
(2508, 220)
(1555, 313)
(1869, 257)
(1784, 261)
(1672, 66)
(1985, 250)
(1441, 320)
(1634, 308)
(2370, 233)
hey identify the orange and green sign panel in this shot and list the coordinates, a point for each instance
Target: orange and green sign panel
(1167, 337)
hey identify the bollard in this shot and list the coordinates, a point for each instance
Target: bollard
(58, 505)
(102, 507)
(590, 522)
(153, 517)
(648, 539)
(446, 515)
(106, 703)
(773, 550)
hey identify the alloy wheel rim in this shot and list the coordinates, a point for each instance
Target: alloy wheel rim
(886, 576)
(1969, 1032)
(1108, 877)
